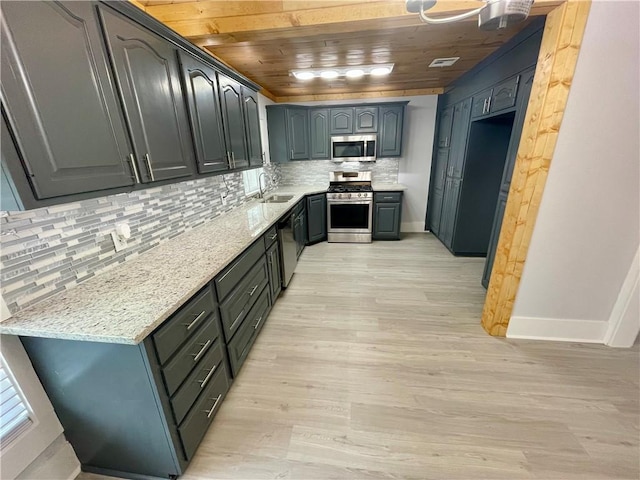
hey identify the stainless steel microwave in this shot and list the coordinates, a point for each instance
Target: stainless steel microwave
(353, 148)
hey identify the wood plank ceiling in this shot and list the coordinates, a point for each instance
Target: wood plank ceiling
(266, 39)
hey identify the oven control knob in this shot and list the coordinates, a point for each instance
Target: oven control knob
(339, 195)
(349, 195)
(359, 194)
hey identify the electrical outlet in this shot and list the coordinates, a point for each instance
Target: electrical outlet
(119, 243)
(223, 198)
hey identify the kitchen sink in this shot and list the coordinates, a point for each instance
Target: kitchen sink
(277, 199)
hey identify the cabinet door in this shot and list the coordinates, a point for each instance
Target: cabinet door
(201, 89)
(231, 100)
(275, 277)
(60, 99)
(317, 218)
(459, 137)
(366, 119)
(386, 221)
(147, 72)
(435, 211)
(440, 169)
(481, 103)
(504, 94)
(252, 126)
(298, 133)
(444, 127)
(341, 121)
(493, 241)
(390, 134)
(319, 133)
(449, 210)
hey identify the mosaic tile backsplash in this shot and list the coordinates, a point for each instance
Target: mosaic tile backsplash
(47, 250)
(314, 172)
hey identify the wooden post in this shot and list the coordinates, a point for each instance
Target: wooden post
(557, 60)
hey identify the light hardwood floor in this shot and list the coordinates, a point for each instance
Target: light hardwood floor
(373, 364)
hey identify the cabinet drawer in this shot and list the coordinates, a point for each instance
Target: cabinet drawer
(197, 422)
(381, 197)
(188, 357)
(197, 381)
(270, 237)
(240, 345)
(239, 302)
(183, 324)
(504, 94)
(481, 103)
(227, 280)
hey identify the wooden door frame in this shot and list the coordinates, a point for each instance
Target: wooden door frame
(561, 42)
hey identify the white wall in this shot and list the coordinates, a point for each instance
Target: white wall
(262, 112)
(587, 231)
(415, 164)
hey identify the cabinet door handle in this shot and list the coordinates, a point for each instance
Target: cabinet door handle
(233, 158)
(291, 154)
(210, 412)
(198, 317)
(148, 160)
(197, 356)
(253, 290)
(489, 104)
(206, 379)
(484, 106)
(255, 327)
(134, 169)
(229, 161)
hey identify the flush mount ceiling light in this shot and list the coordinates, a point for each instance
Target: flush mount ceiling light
(349, 72)
(492, 15)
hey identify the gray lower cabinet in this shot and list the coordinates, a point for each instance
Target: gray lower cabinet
(201, 90)
(152, 426)
(390, 130)
(232, 115)
(319, 134)
(72, 139)
(300, 226)
(316, 218)
(148, 76)
(387, 213)
(449, 210)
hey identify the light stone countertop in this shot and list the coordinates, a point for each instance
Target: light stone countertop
(125, 304)
(388, 187)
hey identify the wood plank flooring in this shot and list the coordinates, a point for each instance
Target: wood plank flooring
(373, 364)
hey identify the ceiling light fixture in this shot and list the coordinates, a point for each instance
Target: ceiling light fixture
(492, 15)
(349, 72)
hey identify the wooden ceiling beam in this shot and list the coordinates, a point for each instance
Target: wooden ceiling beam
(359, 95)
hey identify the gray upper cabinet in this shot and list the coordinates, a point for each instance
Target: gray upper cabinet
(366, 120)
(444, 128)
(390, 132)
(460, 131)
(481, 103)
(298, 133)
(341, 121)
(319, 133)
(201, 89)
(252, 126)
(504, 94)
(72, 139)
(232, 106)
(147, 72)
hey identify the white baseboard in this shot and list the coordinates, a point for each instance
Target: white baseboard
(412, 227)
(57, 462)
(557, 329)
(624, 321)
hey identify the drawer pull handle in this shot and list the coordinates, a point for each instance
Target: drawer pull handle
(274, 236)
(210, 412)
(237, 318)
(190, 325)
(388, 198)
(206, 379)
(197, 356)
(255, 327)
(253, 290)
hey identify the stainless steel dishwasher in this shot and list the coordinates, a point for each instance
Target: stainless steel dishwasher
(288, 248)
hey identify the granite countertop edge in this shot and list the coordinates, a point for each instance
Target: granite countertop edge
(81, 314)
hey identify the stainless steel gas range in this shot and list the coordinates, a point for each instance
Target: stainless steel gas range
(349, 207)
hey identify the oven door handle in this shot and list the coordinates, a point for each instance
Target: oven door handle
(349, 202)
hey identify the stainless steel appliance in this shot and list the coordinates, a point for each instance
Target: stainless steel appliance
(349, 207)
(288, 248)
(353, 148)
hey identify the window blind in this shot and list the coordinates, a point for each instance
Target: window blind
(14, 414)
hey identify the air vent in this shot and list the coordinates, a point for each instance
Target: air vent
(443, 62)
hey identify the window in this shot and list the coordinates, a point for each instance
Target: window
(251, 179)
(14, 411)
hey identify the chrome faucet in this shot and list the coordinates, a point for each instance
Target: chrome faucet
(261, 194)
